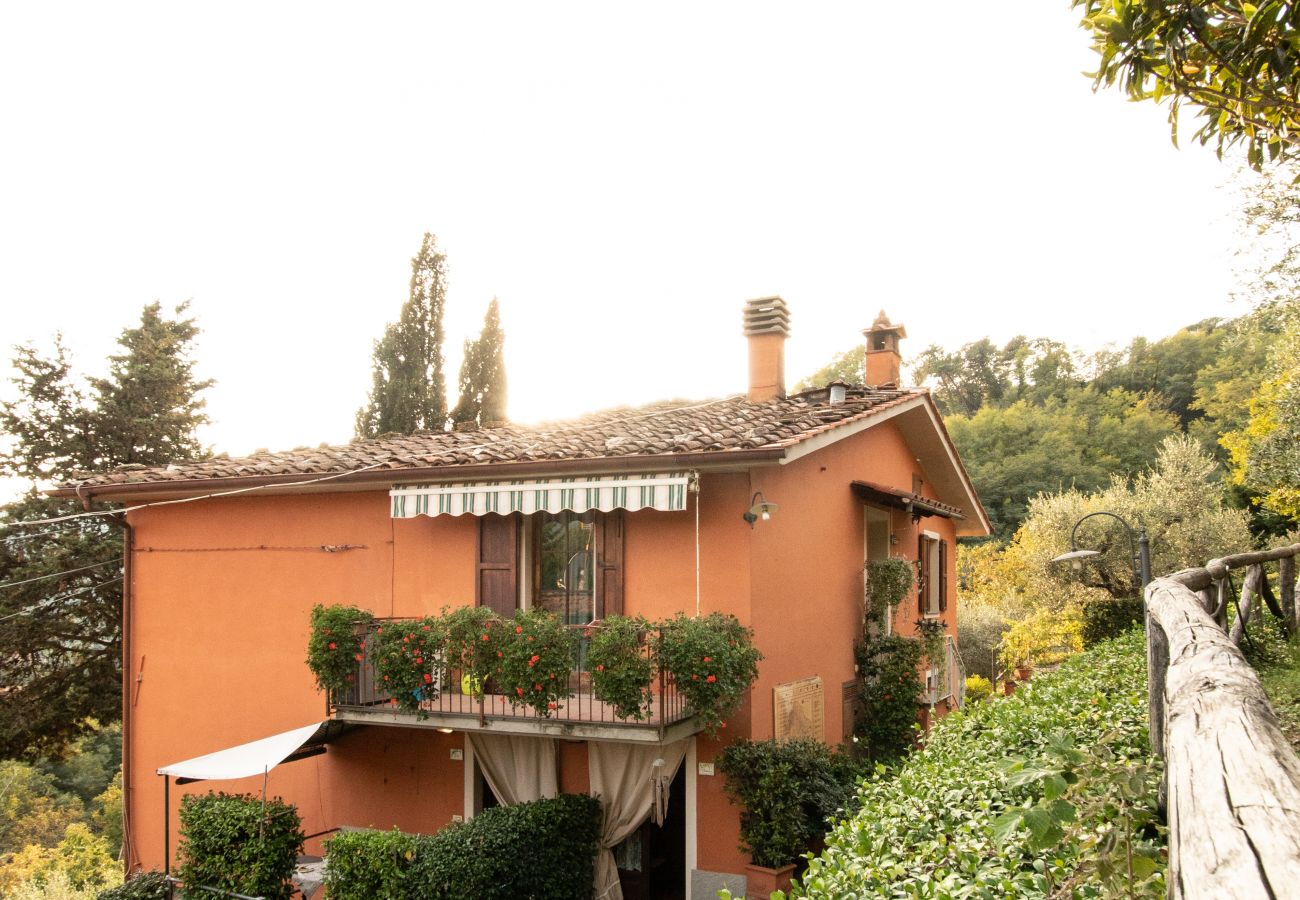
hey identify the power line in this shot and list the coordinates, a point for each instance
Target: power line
(97, 565)
(48, 601)
(15, 538)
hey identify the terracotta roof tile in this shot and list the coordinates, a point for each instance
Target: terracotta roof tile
(666, 428)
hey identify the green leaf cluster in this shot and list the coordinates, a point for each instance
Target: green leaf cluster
(409, 661)
(887, 583)
(621, 670)
(145, 886)
(928, 828)
(789, 793)
(334, 645)
(1233, 61)
(712, 661)
(534, 660)
(240, 843)
(545, 850)
(889, 683)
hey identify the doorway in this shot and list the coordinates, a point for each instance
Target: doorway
(652, 861)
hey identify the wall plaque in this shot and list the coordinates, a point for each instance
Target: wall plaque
(798, 710)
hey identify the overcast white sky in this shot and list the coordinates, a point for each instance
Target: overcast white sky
(621, 176)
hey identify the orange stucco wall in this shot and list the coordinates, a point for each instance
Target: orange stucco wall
(223, 588)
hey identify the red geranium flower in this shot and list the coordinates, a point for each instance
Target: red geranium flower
(537, 687)
(533, 660)
(711, 679)
(428, 679)
(333, 646)
(551, 705)
(358, 657)
(485, 637)
(600, 668)
(519, 629)
(519, 691)
(708, 659)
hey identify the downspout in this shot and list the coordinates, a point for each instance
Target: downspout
(129, 859)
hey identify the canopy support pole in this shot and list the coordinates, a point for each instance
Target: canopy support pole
(167, 825)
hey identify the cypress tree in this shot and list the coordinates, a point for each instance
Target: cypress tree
(483, 374)
(408, 391)
(60, 644)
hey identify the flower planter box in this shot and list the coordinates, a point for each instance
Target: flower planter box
(761, 881)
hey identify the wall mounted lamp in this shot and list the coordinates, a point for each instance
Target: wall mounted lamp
(759, 508)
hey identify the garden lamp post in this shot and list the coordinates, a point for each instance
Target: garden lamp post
(1139, 552)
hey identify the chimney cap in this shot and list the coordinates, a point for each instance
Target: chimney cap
(882, 323)
(767, 315)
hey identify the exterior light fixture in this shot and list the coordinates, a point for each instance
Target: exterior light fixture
(759, 508)
(1139, 551)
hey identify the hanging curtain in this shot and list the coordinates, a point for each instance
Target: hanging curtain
(632, 782)
(518, 769)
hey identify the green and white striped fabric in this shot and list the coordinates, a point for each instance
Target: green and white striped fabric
(662, 491)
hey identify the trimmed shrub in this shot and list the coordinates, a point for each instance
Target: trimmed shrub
(237, 842)
(145, 886)
(790, 791)
(930, 828)
(544, 850)
(366, 864)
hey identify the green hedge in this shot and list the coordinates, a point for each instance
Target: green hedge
(544, 850)
(240, 843)
(946, 822)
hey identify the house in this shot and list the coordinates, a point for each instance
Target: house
(764, 505)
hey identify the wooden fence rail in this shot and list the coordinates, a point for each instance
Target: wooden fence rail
(1232, 781)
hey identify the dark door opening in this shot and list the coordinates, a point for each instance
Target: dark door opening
(652, 861)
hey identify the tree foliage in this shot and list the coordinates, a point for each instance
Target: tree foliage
(1233, 61)
(59, 627)
(408, 390)
(483, 374)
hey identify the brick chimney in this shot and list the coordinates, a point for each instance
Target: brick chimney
(884, 364)
(767, 324)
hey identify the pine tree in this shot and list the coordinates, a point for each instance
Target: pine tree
(483, 374)
(408, 391)
(60, 650)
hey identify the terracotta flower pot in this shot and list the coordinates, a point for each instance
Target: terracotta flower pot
(761, 881)
(1023, 673)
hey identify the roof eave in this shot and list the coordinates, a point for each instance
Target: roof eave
(378, 478)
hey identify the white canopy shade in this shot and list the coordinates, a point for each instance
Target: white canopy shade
(254, 758)
(664, 491)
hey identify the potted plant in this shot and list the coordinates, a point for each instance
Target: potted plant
(621, 672)
(789, 791)
(712, 662)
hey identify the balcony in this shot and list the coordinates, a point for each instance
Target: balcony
(454, 705)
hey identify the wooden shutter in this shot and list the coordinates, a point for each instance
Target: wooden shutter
(609, 563)
(922, 576)
(498, 563)
(943, 575)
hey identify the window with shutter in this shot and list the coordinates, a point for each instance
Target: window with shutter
(498, 563)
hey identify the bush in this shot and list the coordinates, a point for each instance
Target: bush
(789, 792)
(980, 629)
(885, 725)
(620, 672)
(712, 662)
(544, 850)
(145, 886)
(1106, 619)
(238, 842)
(887, 583)
(927, 828)
(407, 661)
(978, 688)
(533, 663)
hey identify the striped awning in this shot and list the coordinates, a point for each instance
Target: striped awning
(662, 491)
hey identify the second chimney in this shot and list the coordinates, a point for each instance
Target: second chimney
(884, 363)
(767, 325)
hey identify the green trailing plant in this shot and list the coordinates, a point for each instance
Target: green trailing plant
(621, 672)
(884, 727)
(544, 850)
(712, 661)
(789, 793)
(933, 636)
(334, 645)
(534, 661)
(887, 583)
(408, 661)
(240, 843)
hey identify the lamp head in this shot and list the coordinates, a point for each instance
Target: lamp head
(760, 508)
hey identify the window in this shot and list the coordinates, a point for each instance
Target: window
(932, 553)
(568, 563)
